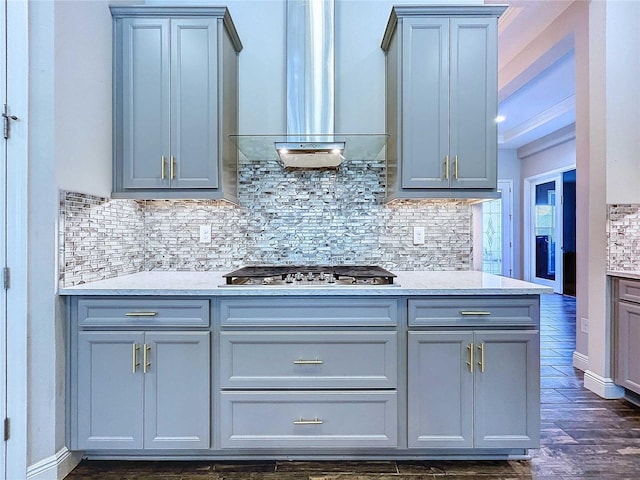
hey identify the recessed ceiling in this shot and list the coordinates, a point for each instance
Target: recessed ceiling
(546, 103)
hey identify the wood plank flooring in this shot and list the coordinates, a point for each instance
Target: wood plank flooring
(583, 436)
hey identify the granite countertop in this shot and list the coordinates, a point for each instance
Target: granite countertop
(628, 274)
(208, 284)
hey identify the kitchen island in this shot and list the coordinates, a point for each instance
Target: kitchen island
(174, 365)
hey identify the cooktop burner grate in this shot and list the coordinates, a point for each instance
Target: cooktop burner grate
(297, 275)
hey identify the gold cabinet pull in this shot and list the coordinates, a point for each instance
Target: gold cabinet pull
(446, 167)
(315, 421)
(475, 312)
(470, 362)
(162, 173)
(455, 167)
(173, 167)
(134, 362)
(146, 361)
(141, 314)
(481, 362)
(308, 362)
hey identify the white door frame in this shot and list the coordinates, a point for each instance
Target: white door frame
(3, 251)
(506, 189)
(529, 239)
(16, 237)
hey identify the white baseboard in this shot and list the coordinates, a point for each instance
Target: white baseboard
(55, 467)
(602, 386)
(580, 361)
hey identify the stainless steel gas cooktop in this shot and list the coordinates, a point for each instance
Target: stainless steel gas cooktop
(310, 275)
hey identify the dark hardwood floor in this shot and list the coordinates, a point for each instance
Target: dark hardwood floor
(583, 436)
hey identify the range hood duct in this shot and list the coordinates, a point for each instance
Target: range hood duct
(310, 140)
(310, 85)
(310, 67)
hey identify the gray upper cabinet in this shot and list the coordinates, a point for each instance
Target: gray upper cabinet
(175, 102)
(441, 101)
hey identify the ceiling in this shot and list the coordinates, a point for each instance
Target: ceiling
(546, 103)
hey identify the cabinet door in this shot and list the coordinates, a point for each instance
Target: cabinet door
(177, 390)
(194, 104)
(425, 102)
(145, 103)
(110, 390)
(440, 403)
(474, 86)
(628, 346)
(507, 389)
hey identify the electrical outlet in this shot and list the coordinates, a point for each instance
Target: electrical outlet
(584, 325)
(205, 233)
(418, 235)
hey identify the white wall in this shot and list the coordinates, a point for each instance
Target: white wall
(69, 147)
(83, 96)
(559, 157)
(622, 91)
(42, 372)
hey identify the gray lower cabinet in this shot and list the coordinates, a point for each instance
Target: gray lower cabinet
(473, 389)
(627, 334)
(143, 390)
(175, 97)
(309, 374)
(303, 419)
(442, 66)
(345, 359)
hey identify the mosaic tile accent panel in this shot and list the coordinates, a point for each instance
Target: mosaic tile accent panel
(308, 217)
(285, 216)
(623, 233)
(99, 238)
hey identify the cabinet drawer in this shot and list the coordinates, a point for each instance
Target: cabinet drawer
(308, 359)
(498, 311)
(308, 419)
(302, 312)
(139, 312)
(629, 290)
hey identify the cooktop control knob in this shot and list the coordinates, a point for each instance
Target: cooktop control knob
(321, 277)
(332, 279)
(310, 276)
(289, 278)
(299, 276)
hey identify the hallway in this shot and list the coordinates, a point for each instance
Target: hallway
(582, 436)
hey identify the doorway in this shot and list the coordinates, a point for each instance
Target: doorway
(497, 232)
(550, 230)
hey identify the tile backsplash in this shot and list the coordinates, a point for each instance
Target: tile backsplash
(99, 238)
(623, 232)
(298, 216)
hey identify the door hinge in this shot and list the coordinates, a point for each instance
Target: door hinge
(7, 429)
(6, 117)
(6, 277)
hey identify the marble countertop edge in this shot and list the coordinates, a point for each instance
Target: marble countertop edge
(410, 283)
(625, 274)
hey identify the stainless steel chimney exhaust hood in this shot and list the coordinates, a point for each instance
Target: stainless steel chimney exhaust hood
(310, 141)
